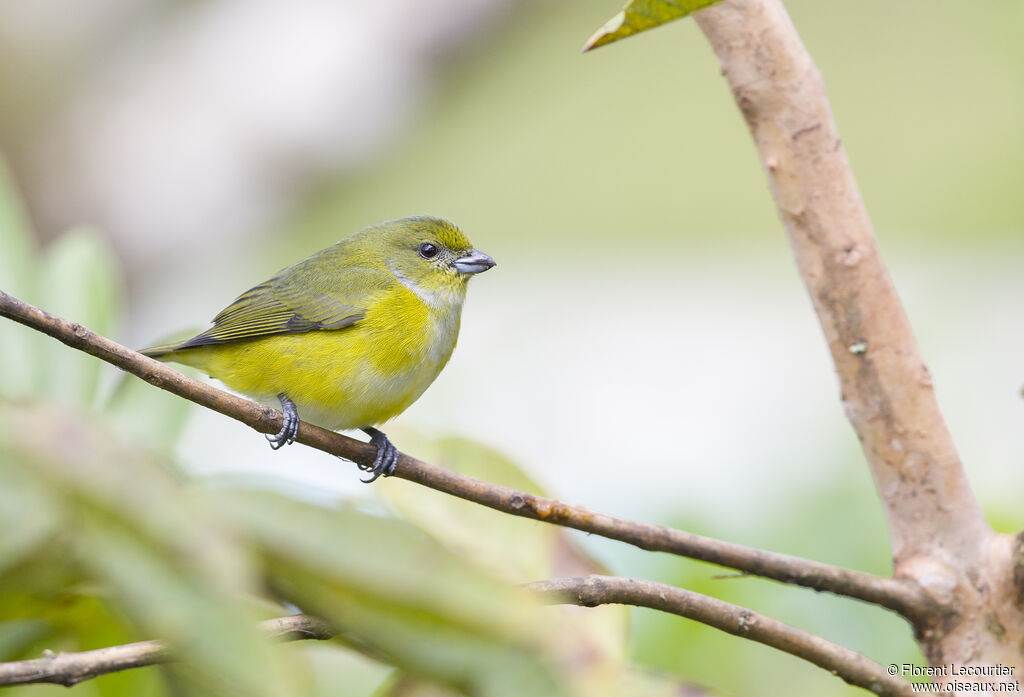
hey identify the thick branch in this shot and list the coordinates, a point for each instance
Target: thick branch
(71, 668)
(899, 595)
(886, 388)
(849, 665)
(939, 536)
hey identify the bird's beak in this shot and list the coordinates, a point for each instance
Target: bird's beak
(474, 262)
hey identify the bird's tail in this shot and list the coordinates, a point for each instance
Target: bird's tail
(159, 352)
(179, 351)
(173, 345)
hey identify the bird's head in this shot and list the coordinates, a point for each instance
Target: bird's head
(430, 255)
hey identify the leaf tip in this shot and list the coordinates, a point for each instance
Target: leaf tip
(607, 33)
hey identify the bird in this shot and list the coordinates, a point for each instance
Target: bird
(349, 337)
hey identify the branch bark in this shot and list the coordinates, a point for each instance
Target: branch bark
(851, 666)
(72, 668)
(899, 595)
(938, 533)
(886, 389)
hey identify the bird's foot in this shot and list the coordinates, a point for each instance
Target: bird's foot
(290, 429)
(387, 456)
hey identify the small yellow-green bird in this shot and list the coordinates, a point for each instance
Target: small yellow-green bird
(348, 337)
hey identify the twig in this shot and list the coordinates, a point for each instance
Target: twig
(851, 666)
(898, 595)
(71, 668)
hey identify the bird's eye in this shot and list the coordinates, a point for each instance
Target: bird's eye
(428, 251)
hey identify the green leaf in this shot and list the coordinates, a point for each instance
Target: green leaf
(18, 344)
(18, 635)
(403, 596)
(641, 15)
(80, 281)
(142, 413)
(146, 414)
(28, 515)
(221, 650)
(335, 670)
(516, 549)
(155, 550)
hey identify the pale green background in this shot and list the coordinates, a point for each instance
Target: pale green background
(644, 346)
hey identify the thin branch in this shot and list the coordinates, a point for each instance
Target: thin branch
(899, 595)
(886, 389)
(851, 666)
(71, 668)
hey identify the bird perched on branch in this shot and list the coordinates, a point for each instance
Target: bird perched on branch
(349, 337)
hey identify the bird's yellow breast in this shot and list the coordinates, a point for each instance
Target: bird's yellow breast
(354, 377)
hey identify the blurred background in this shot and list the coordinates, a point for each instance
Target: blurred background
(644, 346)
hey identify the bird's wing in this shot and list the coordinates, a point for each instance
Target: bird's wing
(279, 307)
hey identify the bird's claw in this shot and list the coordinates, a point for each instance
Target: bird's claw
(387, 456)
(290, 428)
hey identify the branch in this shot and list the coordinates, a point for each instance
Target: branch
(899, 595)
(851, 666)
(940, 539)
(886, 388)
(71, 668)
